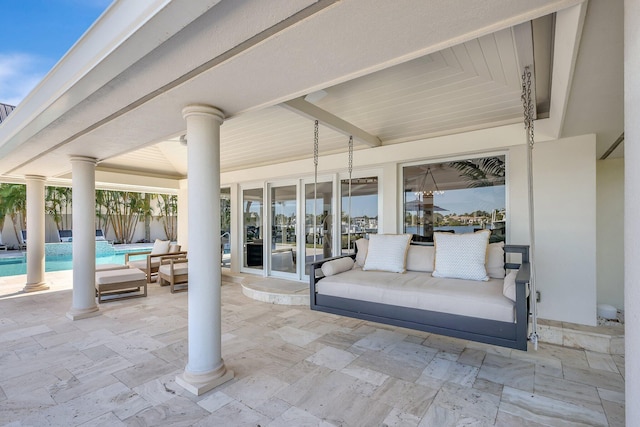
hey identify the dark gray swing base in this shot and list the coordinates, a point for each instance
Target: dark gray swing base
(504, 334)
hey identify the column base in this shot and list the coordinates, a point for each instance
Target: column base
(77, 314)
(199, 384)
(34, 287)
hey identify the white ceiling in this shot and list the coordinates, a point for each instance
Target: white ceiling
(470, 86)
(398, 74)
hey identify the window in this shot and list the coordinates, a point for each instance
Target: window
(360, 211)
(458, 196)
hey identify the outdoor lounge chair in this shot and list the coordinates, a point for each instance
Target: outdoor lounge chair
(151, 263)
(174, 271)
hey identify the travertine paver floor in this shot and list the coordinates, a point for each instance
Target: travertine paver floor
(293, 367)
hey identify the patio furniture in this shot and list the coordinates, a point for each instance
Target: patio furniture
(120, 284)
(65, 235)
(107, 267)
(151, 263)
(100, 235)
(174, 271)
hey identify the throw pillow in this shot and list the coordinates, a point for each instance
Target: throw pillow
(461, 256)
(387, 252)
(361, 254)
(495, 260)
(160, 247)
(420, 258)
(509, 287)
(336, 266)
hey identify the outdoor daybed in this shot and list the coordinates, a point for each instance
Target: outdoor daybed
(461, 287)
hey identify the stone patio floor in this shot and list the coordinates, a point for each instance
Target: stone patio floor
(292, 367)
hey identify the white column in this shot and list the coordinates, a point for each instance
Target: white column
(631, 209)
(83, 175)
(183, 214)
(205, 368)
(35, 230)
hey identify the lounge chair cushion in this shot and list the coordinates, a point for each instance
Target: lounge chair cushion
(105, 267)
(178, 269)
(174, 248)
(119, 276)
(160, 247)
(142, 264)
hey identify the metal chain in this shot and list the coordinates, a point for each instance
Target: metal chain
(527, 104)
(350, 173)
(315, 190)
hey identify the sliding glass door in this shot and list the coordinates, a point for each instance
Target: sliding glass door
(252, 217)
(283, 249)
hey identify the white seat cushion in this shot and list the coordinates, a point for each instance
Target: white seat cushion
(420, 258)
(178, 269)
(422, 291)
(160, 247)
(119, 276)
(105, 267)
(142, 264)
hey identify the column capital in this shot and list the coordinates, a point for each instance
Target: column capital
(35, 178)
(202, 110)
(85, 159)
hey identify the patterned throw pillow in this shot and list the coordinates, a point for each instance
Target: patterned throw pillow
(461, 256)
(387, 252)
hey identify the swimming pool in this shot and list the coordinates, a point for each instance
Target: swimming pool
(15, 265)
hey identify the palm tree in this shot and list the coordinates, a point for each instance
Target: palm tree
(485, 172)
(57, 204)
(13, 199)
(168, 204)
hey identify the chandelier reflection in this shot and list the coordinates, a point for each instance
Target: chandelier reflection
(431, 191)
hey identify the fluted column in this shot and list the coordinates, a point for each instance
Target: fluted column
(83, 175)
(205, 368)
(35, 237)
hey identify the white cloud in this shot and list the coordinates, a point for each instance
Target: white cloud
(19, 74)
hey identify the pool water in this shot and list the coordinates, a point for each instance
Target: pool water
(13, 266)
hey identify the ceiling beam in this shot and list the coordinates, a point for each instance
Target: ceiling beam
(308, 110)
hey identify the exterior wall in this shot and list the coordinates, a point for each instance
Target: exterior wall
(565, 182)
(610, 232)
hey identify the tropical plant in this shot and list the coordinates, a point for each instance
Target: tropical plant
(124, 210)
(168, 204)
(13, 199)
(57, 204)
(103, 211)
(485, 172)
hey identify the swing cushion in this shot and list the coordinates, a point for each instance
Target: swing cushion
(337, 266)
(361, 255)
(461, 256)
(495, 260)
(387, 252)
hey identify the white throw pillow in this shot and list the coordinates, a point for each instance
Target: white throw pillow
(336, 266)
(420, 258)
(495, 260)
(461, 256)
(361, 254)
(160, 247)
(387, 252)
(509, 287)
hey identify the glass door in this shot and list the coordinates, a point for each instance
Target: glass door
(225, 226)
(283, 249)
(253, 239)
(319, 222)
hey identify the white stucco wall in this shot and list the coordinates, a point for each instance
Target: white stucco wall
(565, 189)
(610, 232)
(565, 223)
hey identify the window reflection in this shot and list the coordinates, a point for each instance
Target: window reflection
(458, 196)
(359, 212)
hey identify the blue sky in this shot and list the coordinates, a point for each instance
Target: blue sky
(35, 36)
